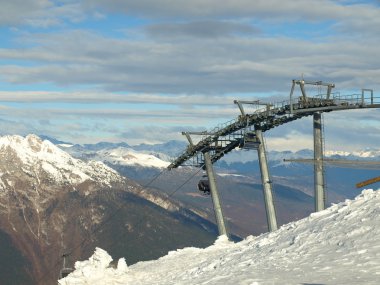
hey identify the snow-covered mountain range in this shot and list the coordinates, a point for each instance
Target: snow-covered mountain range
(239, 178)
(160, 155)
(119, 155)
(241, 156)
(129, 157)
(37, 155)
(340, 245)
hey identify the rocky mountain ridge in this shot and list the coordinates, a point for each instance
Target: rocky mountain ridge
(50, 202)
(33, 154)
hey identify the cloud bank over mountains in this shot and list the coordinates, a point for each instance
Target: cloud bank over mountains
(179, 63)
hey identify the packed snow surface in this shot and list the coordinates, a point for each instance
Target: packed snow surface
(340, 245)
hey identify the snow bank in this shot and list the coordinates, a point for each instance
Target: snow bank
(340, 245)
(96, 270)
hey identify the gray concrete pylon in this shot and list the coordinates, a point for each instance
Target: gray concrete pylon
(215, 195)
(319, 184)
(267, 184)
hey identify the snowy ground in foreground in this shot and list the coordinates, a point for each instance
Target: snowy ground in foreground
(340, 245)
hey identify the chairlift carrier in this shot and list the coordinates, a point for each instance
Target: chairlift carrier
(204, 185)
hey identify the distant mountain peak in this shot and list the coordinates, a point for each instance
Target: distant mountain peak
(51, 201)
(128, 157)
(37, 154)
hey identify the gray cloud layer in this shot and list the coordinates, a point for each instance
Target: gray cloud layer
(214, 48)
(298, 9)
(39, 13)
(199, 53)
(200, 29)
(198, 66)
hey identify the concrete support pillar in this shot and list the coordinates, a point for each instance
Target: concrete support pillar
(267, 184)
(215, 195)
(319, 187)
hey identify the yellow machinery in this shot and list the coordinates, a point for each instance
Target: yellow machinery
(368, 182)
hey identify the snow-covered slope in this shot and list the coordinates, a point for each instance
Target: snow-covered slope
(36, 155)
(340, 245)
(42, 159)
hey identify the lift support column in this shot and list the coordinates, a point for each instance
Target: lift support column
(319, 187)
(267, 184)
(215, 195)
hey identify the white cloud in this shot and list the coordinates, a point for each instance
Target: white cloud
(307, 9)
(39, 13)
(200, 29)
(199, 66)
(294, 141)
(94, 97)
(16, 11)
(191, 56)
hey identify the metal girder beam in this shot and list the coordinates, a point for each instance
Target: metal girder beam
(202, 133)
(302, 84)
(267, 183)
(187, 135)
(222, 228)
(317, 83)
(319, 181)
(283, 112)
(367, 90)
(291, 96)
(329, 89)
(368, 182)
(240, 104)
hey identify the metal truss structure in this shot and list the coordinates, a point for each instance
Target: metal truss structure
(246, 132)
(240, 132)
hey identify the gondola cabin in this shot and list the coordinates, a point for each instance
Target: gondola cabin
(204, 185)
(250, 141)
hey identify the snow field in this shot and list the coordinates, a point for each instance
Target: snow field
(340, 245)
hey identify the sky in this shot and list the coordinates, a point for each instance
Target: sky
(144, 71)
